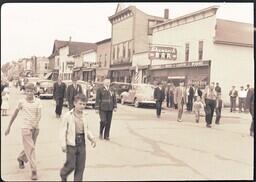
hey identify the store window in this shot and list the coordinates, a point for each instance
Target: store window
(187, 52)
(200, 50)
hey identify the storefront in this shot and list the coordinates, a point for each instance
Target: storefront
(190, 72)
(77, 73)
(123, 74)
(88, 74)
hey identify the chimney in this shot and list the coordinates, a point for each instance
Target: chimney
(166, 13)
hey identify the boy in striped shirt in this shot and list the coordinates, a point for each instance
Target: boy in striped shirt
(31, 110)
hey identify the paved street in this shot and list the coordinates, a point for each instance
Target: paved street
(141, 147)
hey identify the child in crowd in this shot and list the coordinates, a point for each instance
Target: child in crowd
(219, 105)
(197, 107)
(31, 110)
(73, 130)
(5, 101)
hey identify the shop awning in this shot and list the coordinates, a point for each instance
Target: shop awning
(48, 76)
(88, 69)
(176, 77)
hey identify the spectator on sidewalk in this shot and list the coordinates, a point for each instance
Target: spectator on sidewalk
(233, 95)
(5, 101)
(250, 106)
(197, 107)
(241, 99)
(180, 99)
(159, 95)
(219, 106)
(218, 89)
(74, 127)
(31, 110)
(209, 101)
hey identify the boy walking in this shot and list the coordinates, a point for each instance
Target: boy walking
(31, 109)
(219, 105)
(73, 130)
(197, 107)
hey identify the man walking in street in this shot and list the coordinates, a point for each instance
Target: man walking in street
(59, 89)
(159, 96)
(167, 93)
(241, 99)
(180, 99)
(191, 94)
(218, 89)
(250, 107)
(105, 104)
(72, 90)
(233, 95)
(209, 101)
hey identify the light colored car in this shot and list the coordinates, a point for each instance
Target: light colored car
(45, 89)
(86, 91)
(139, 94)
(33, 80)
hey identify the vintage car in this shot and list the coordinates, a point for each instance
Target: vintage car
(33, 80)
(87, 90)
(139, 94)
(45, 89)
(120, 87)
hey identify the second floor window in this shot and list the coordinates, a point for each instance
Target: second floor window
(200, 50)
(187, 52)
(124, 51)
(114, 53)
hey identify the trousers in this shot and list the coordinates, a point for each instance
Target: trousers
(158, 108)
(218, 115)
(180, 108)
(75, 160)
(209, 110)
(232, 104)
(59, 105)
(29, 137)
(105, 122)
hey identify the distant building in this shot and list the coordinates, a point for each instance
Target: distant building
(205, 49)
(103, 59)
(131, 37)
(43, 71)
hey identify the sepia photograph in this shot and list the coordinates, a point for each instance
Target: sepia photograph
(127, 91)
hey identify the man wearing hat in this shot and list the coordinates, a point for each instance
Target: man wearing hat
(159, 95)
(72, 90)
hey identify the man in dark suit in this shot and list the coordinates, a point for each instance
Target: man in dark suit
(105, 104)
(159, 95)
(72, 90)
(250, 107)
(59, 89)
(191, 94)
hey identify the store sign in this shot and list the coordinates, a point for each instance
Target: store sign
(164, 53)
(182, 65)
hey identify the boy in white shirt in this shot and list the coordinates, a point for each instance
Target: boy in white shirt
(73, 130)
(31, 109)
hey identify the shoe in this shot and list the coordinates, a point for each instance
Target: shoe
(21, 164)
(217, 123)
(107, 138)
(179, 120)
(158, 116)
(34, 175)
(57, 116)
(197, 121)
(208, 126)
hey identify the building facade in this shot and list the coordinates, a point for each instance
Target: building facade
(131, 36)
(103, 59)
(207, 50)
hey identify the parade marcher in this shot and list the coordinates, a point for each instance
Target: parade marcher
(59, 89)
(218, 89)
(197, 107)
(159, 96)
(5, 101)
(191, 94)
(241, 99)
(219, 106)
(171, 96)
(209, 100)
(233, 95)
(105, 104)
(250, 107)
(198, 92)
(31, 110)
(180, 99)
(72, 90)
(167, 93)
(74, 128)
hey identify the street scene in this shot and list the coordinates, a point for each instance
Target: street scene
(127, 91)
(142, 146)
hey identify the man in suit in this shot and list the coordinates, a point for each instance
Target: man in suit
(180, 99)
(159, 95)
(233, 95)
(105, 104)
(72, 90)
(219, 105)
(191, 94)
(250, 107)
(59, 89)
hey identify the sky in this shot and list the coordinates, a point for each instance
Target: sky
(29, 29)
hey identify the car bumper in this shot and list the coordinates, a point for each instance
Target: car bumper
(147, 102)
(46, 95)
(90, 103)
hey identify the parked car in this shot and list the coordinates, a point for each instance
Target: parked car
(86, 91)
(139, 94)
(120, 87)
(45, 89)
(33, 80)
